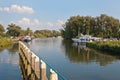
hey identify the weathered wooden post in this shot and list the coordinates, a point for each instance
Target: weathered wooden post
(19, 46)
(33, 66)
(29, 64)
(37, 67)
(53, 75)
(43, 70)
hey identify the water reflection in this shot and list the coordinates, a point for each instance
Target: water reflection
(9, 55)
(80, 53)
(9, 68)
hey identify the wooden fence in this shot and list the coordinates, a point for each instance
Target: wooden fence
(32, 67)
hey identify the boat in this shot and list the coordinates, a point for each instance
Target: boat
(82, 39)
(26, 38)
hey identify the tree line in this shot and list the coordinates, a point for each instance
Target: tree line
(46, 33)
(101, 26)
(14, 30)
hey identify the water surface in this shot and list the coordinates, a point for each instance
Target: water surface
(76, 62)
(9, 64)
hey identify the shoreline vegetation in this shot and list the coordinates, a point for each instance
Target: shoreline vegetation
(5, 42)
(14, 32)
(103, 26)
(108, 46)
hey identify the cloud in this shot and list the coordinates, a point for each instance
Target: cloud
(36, 24)
(49, 24)
(26, 22)
(60, 22)
(54, 26)
(18, 9)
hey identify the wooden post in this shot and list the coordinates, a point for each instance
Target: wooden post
(29, 56)
(37, 67)
(33, 66)
(19, 46)
(33, 61)
(43, 70)
(53, 75)
(29, 64)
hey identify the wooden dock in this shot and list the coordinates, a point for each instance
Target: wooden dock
(34, 68)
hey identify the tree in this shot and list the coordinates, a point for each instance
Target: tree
(28, 32)
(13, 30)
(46, 33)
(102, 26)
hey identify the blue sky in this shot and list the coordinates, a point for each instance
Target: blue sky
(51, 14)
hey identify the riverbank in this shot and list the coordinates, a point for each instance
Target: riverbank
(108, 46)
(5, 42)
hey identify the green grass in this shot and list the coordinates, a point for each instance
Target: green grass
(108, 46)
(5, 42)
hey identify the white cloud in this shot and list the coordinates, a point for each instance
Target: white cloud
(49, 24)
(60, 22)
(35, 24)
(18, 9)
(26, 22)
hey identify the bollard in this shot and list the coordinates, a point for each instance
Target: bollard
(53, 75)
(43, 70)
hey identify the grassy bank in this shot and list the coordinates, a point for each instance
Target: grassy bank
(108, 46)
(5, 42)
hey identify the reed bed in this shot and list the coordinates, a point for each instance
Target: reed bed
(108, 46)
(5, 42)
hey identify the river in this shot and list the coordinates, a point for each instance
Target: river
(76, 62)
(9, 64)
(73, 61)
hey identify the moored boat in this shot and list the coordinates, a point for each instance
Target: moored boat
(26, 38)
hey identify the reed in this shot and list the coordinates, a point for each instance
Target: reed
(5, 42)
(108, 46)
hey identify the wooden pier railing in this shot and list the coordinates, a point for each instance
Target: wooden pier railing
(34, 68)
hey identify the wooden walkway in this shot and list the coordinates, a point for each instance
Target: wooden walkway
(34, 68)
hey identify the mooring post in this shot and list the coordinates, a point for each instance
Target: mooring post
(53, 75)
(43, 70)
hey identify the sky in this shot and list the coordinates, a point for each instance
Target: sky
(52, 14)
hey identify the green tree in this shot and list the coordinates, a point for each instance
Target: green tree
(102, 26)
(28, 32)
(13, 30)
(46, 33)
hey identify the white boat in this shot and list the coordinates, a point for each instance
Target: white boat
(75, 40)
(82, 39)
(26, 38)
